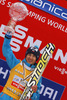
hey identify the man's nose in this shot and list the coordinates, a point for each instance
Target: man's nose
(30, 57)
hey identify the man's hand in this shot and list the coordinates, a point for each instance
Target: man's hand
(12, 23)
(27, 98)
(10, 26)
(34, 88)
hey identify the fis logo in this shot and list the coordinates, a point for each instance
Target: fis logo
(48, 7)
(50, 90)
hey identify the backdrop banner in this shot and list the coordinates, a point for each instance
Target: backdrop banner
(46, 23)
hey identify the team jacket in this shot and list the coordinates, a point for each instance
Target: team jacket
(19, 74)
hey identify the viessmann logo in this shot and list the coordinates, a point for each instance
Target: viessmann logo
(49, 7)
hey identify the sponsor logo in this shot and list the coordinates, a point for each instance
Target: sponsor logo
(50, 90)
(63, 71)
(19, 83)
(49, 7)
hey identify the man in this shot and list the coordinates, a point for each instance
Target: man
(20, 71)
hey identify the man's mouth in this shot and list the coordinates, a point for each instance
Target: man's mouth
(29, 60)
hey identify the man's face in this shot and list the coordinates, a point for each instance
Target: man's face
(31, 58)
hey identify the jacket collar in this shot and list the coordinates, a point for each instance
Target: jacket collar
(29, 65)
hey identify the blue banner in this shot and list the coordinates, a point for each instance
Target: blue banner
(48, 7)
(4, 72)
(50, 90)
